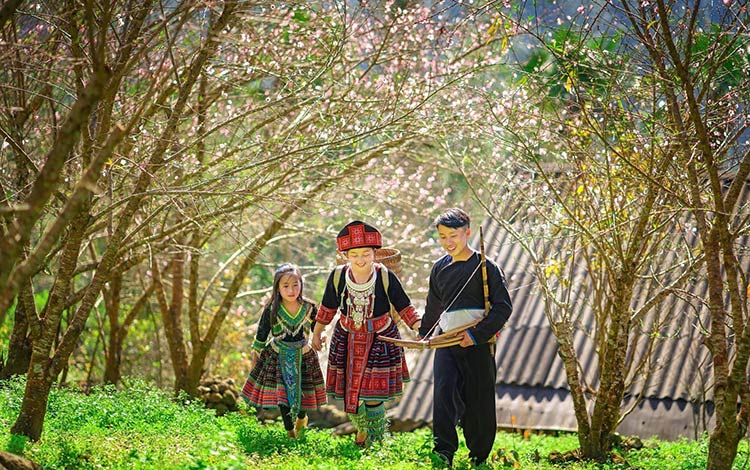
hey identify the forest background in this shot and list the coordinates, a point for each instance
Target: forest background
(159, 159)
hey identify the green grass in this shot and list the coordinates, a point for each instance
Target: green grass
(139, 427)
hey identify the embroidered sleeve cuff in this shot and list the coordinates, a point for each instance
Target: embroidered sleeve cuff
(258, 345)
(468, 332)
(409, 315)
(325, 315)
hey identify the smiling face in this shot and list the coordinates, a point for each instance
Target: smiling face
(361, 259)
(290, 288)
(455, 241)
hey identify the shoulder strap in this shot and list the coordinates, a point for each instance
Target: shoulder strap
(338, 274)
(386, 280)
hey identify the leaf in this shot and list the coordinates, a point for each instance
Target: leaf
(569, 83)
(492, 30)
(552, 270)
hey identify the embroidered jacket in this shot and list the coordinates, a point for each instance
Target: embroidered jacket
(289, 327)
(335, 300)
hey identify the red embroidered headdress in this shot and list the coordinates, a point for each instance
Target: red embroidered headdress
(358, 234)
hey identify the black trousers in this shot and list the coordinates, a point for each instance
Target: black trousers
(464, 392)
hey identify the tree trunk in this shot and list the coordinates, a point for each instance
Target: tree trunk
(195, 372)
(606, 412)
(118, 331)
(114, 345)
(722, 445)
(112, 365)
(19, 347)
(729, 428)
(30, 420)
(171, 314)
(566, 349)
(19, 354)
(112, 359)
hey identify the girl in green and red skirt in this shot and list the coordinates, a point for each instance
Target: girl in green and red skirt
(286, 373)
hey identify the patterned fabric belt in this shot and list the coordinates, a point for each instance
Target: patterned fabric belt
(277, 344)
(290, 365)
(374, 325)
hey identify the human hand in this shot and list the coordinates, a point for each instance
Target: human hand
(466, 340)
(317, 342)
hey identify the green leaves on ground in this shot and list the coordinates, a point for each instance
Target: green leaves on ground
(140, 427)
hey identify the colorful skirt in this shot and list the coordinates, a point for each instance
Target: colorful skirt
(272, 382)
(362, 367)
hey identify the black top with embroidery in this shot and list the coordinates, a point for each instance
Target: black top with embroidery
(288, 327)
(447, 280)
(400, 300)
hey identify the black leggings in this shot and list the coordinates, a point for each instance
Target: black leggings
(286, 416)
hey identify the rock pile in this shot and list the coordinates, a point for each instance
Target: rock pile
(327, 416)
(219, 394)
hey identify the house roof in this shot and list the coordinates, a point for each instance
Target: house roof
(678, 363)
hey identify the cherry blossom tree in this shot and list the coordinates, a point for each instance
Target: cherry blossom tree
(701, 67)
(180, 120)
(607, 113)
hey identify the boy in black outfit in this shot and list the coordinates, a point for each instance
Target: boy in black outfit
(464, 375)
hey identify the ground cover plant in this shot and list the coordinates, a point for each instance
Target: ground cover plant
(141, 427)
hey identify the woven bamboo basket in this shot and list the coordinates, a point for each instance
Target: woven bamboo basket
(388, 257)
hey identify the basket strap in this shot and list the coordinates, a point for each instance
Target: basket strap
(337, 276)
(386, 280)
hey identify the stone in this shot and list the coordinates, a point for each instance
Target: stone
(15, 462)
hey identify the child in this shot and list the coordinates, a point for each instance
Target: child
(363, 370)
(286, 373)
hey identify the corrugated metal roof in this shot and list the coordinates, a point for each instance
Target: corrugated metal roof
(678, 364)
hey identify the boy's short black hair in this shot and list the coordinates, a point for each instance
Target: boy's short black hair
(453, 218)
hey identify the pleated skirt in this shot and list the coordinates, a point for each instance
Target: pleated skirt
(264, 387)
(362, 367)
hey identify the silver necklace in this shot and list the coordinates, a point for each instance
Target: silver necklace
(360, 298)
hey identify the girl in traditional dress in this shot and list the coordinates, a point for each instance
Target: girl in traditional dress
(286, 372)
(363, 370)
